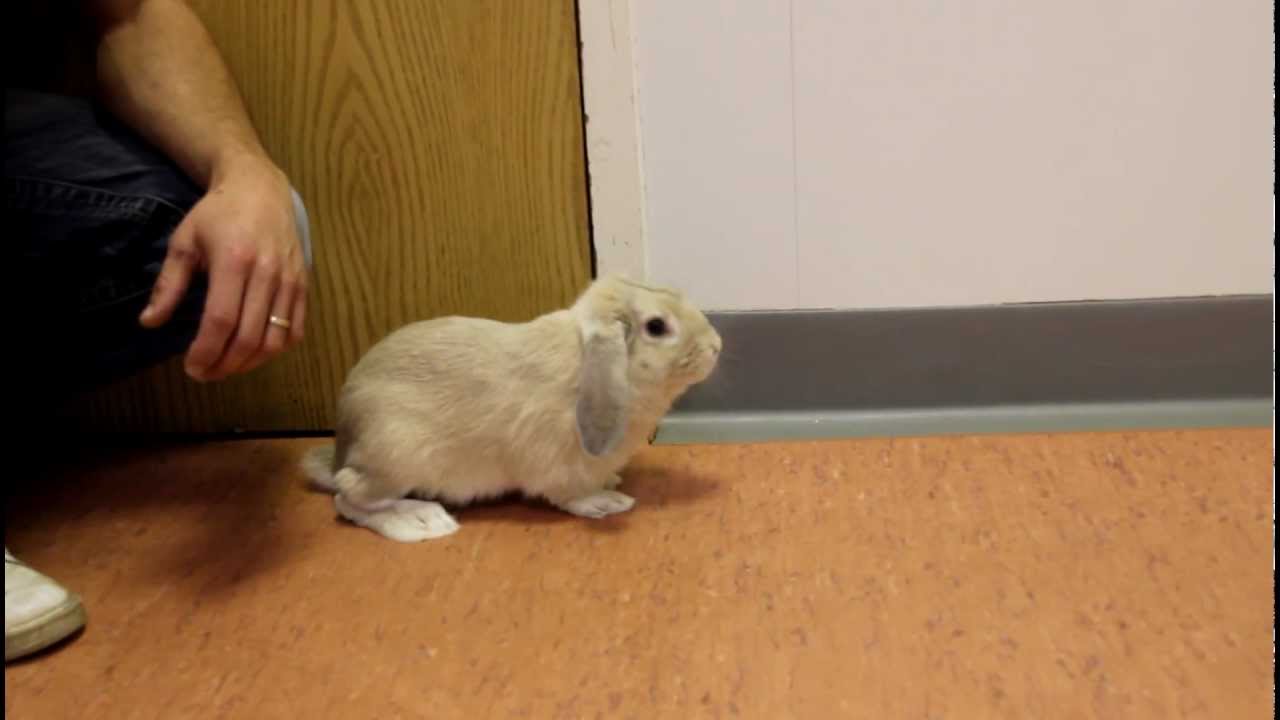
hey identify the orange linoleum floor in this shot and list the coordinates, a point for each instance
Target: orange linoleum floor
(1124, 575)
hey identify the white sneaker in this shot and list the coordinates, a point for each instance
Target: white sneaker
(38, 612)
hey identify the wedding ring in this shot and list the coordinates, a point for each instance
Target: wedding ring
(279, 322)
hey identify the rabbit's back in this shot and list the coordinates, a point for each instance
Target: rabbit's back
(469, 402)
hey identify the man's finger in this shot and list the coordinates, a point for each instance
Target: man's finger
(298, 322)
(247, 341)
(275, 338)
(171, 284)
(221, 316)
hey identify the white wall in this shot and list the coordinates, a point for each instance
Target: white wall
(857, 153)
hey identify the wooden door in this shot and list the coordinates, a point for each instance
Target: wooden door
(438, 145)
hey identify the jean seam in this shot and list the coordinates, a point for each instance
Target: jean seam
(95, 202)
(99, 208)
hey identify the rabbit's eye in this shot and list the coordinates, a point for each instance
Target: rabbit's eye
(656, 327)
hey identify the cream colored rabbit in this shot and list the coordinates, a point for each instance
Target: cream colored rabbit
(459, 409)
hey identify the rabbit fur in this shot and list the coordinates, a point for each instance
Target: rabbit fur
(458, 409)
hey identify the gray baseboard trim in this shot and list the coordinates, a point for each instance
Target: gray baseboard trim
(687, 428)
(1147, 364)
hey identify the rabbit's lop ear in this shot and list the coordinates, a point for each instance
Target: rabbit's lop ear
(603, 393)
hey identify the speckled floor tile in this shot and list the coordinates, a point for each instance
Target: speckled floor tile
(1121, 575)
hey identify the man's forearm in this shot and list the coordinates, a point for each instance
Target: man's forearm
(161, 73)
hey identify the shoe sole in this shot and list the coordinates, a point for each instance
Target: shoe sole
(44, 631)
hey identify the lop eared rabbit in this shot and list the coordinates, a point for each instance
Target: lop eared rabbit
(459, 409)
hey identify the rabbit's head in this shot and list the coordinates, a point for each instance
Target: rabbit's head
(642, 347)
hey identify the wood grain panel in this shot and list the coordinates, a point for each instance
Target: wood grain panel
(1122, 575)
(438, 146)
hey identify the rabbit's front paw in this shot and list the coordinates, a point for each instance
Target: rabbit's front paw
(598, 504)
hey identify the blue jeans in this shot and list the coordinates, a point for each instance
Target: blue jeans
(90, 207)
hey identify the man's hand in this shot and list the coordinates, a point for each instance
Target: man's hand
(243, 233)
(160, 72)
